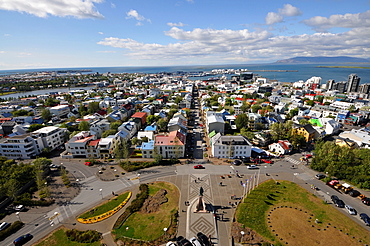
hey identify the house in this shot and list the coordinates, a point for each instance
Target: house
(78, 145)
(171, 145)
(177, 122)
(330, 125)
(282, 147)
(215, 122)
(147, 149)
(361, 137)
(52, 137)
(307, 131)
(345, 142)
(148, 135)
(141, 116)
(99, 126)
(106, 146)
(230, 146)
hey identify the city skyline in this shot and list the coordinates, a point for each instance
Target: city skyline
(98, 33)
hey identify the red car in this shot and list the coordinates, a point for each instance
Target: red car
(308, 156)
(198, 167)
(267, 161)
(88, 163)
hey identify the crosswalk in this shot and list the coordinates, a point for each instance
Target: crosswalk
(294, 161)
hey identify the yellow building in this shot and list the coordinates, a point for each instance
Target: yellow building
(307, 131)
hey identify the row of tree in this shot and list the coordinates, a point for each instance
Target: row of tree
(352, 165)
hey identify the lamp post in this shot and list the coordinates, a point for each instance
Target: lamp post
(19, 218)
(165, 230)
(242, 232)
(101, 193)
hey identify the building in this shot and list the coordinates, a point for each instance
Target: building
(52, 137)
(282, 147)
(307, 131)
(215, 122)
(230, 146)
(60, 110)
(21, 147)
(147, 149)
(353, 83)
(78, 146)
(171, 145)
(141, 116)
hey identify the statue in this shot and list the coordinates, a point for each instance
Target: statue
(201, 191)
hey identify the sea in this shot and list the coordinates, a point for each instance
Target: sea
(273, 71)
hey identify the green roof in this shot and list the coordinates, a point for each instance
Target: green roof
(315, 122)
(212, 134)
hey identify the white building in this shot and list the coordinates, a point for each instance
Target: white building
(52, 137)
(77, 146)
(60, 110)
(21, 147)
(230, 146)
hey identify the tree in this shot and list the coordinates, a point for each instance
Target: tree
(162, 125)
(82, 110)
(242, 121)
(93, 107)
(108, 133)
(293, 113)
(84, 126)
(304, 122)
(255, 108)
(21, 112)
(150, 119)
(280, 131)
(34, 127)
(115, 125)
(46, 115)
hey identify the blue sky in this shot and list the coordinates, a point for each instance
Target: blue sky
(102, 33)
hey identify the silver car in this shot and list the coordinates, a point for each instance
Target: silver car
(350, 210)
(195, 241)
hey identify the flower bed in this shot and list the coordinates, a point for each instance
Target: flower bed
(106, 214)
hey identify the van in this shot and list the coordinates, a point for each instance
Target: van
(4, 225)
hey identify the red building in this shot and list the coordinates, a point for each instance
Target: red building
(141, 116)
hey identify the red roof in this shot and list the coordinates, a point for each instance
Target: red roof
(94, 142)
(139, 115)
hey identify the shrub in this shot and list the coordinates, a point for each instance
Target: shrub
(11, 229)
(30, 202)
(88, 236)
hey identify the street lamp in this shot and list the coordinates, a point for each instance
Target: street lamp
(101, 193)
(19, 218)
(165, 230)
(242, 232)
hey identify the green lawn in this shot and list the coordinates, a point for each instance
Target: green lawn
(150, 226)
(252, 212)
(59, 237)
(110, 205)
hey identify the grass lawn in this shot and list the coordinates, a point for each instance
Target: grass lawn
(296, 219)
(59, 237)
(101, 209)
(149, 226)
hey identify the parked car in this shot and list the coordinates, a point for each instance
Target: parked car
(320, 176)
(350, 209)
(23, 239)
(19, 208)
(365, 218)
(4, 225)
(203, 239)
(88, 163)
(195, 241)
(183, 241)
(334, 198)
(339, 203)
(267, 161)
(199, 167)
(236, 162)
(366, 201)
(252, 167)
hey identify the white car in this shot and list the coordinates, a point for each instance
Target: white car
(252, 167)
(350, 210)
(195, 241)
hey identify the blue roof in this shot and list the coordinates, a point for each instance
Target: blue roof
(150, 128)
(147, 146)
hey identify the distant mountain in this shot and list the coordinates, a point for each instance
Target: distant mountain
(324, 59)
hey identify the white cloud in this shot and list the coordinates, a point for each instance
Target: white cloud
(290, 10)
(171, 24)
(242, 45)
(287, 10)
(43, 8)
(101, 33)
(2, 52)
(24, 54)
(272, 18)
(348, 21)
(7, 35)
(107, 51)
(133, 14)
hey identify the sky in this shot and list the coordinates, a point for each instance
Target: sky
(103, 33)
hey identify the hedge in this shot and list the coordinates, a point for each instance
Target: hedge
(10, 230)
(88, 236)
(133, 166)
(30, 202)
(135, 205)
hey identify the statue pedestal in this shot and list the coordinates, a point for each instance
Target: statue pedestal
(200, 206)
